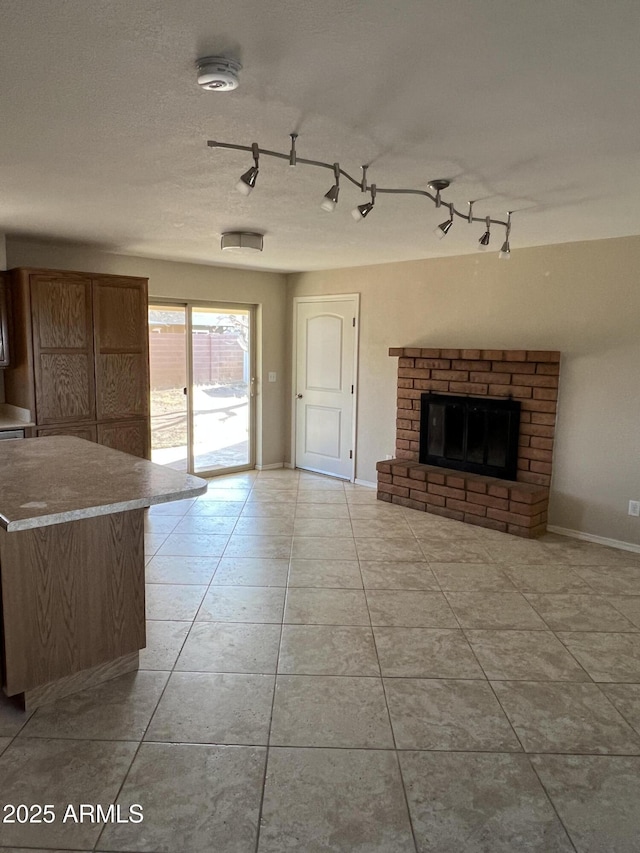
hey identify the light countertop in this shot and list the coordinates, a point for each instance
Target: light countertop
(56, 479)
(12, 417)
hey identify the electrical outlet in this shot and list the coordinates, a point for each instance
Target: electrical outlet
(388, 456)
(272, 376)
(634, 508)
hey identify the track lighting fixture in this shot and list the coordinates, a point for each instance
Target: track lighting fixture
(505, 251)
(363, 210)
(443, 229)
(248, 181)
(330, 200)
(483, 242)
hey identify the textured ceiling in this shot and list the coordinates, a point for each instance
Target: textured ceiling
(529, 106)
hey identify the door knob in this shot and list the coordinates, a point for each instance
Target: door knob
(299, 396)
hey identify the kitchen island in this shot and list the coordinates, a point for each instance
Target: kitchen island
(72, 561)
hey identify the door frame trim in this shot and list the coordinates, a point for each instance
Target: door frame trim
(332, 297)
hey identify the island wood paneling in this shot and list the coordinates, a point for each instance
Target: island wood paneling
(72, 597)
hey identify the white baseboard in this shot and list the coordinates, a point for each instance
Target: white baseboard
(271, 467)
(590, 537)
(289, 465)
(366, 483)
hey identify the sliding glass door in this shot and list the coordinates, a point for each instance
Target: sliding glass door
(201, 365)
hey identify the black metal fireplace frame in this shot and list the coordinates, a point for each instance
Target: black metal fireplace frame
(486, 405)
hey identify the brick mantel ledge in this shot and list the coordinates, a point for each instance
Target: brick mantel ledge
(505, 505)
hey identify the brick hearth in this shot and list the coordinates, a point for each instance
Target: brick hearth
(529, 376)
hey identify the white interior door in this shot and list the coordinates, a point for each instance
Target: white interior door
(326, 336)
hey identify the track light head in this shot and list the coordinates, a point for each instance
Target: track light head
(483, 242)
(247, 181)
(505, 251)
(330, 199)
(363, 210)
(443, 229)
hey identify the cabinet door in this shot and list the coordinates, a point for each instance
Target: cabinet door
(4, 331)
(62, 348)
(122, 348)
(128, 436)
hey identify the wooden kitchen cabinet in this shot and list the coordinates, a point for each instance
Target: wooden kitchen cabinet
(4, 323)
(81, 357)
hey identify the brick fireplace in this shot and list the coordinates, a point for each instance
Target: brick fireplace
(528, 376)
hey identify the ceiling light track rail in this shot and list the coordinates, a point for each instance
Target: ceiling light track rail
(247, 182)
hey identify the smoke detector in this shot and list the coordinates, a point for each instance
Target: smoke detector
(218, 74)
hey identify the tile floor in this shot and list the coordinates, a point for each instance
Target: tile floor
(326, 672)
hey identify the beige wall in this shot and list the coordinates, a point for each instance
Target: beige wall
(206, 283)
(580, 298)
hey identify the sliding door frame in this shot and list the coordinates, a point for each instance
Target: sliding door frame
(224, 307)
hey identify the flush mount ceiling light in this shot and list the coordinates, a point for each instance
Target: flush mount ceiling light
(217, 74)
(248, 181)
(241, 241)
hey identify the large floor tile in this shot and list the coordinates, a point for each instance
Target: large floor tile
(181, 570)
(410, 609)
(509, 551)
(339, 800)
(4, 743)
(323, 548)
(468, 577)
(196, 798)
(273, 547)
(596, 797)
(161, 524)
(379, 528)
(278, 525)
(199, 707)
(268, 509)
(626, 698)
(325, 573)
(375, 510)
(546, 578)
(494, 610)
(326, 607)
(321, 496)
(242, 604)
(340, 527)
(331, 711)
(329, 511)
(152, 542)
(251, 571)
(175, 602)
(571, 612)
(448, 715)
(524, 655)
(475, 803)
(119, 709)
(178, 508)
(327, 650)
(628, 605)
(379, 549)
(224, 493)
(606, 657)
(193, 545)
(398, 575)
(555, 717)
(579, 553)
(284, 496)
(164, 641)
(230, 647)
(614, 580)
(206, 524)
(425, 653)
(457, 550)
(60, 773)
(216, 509)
